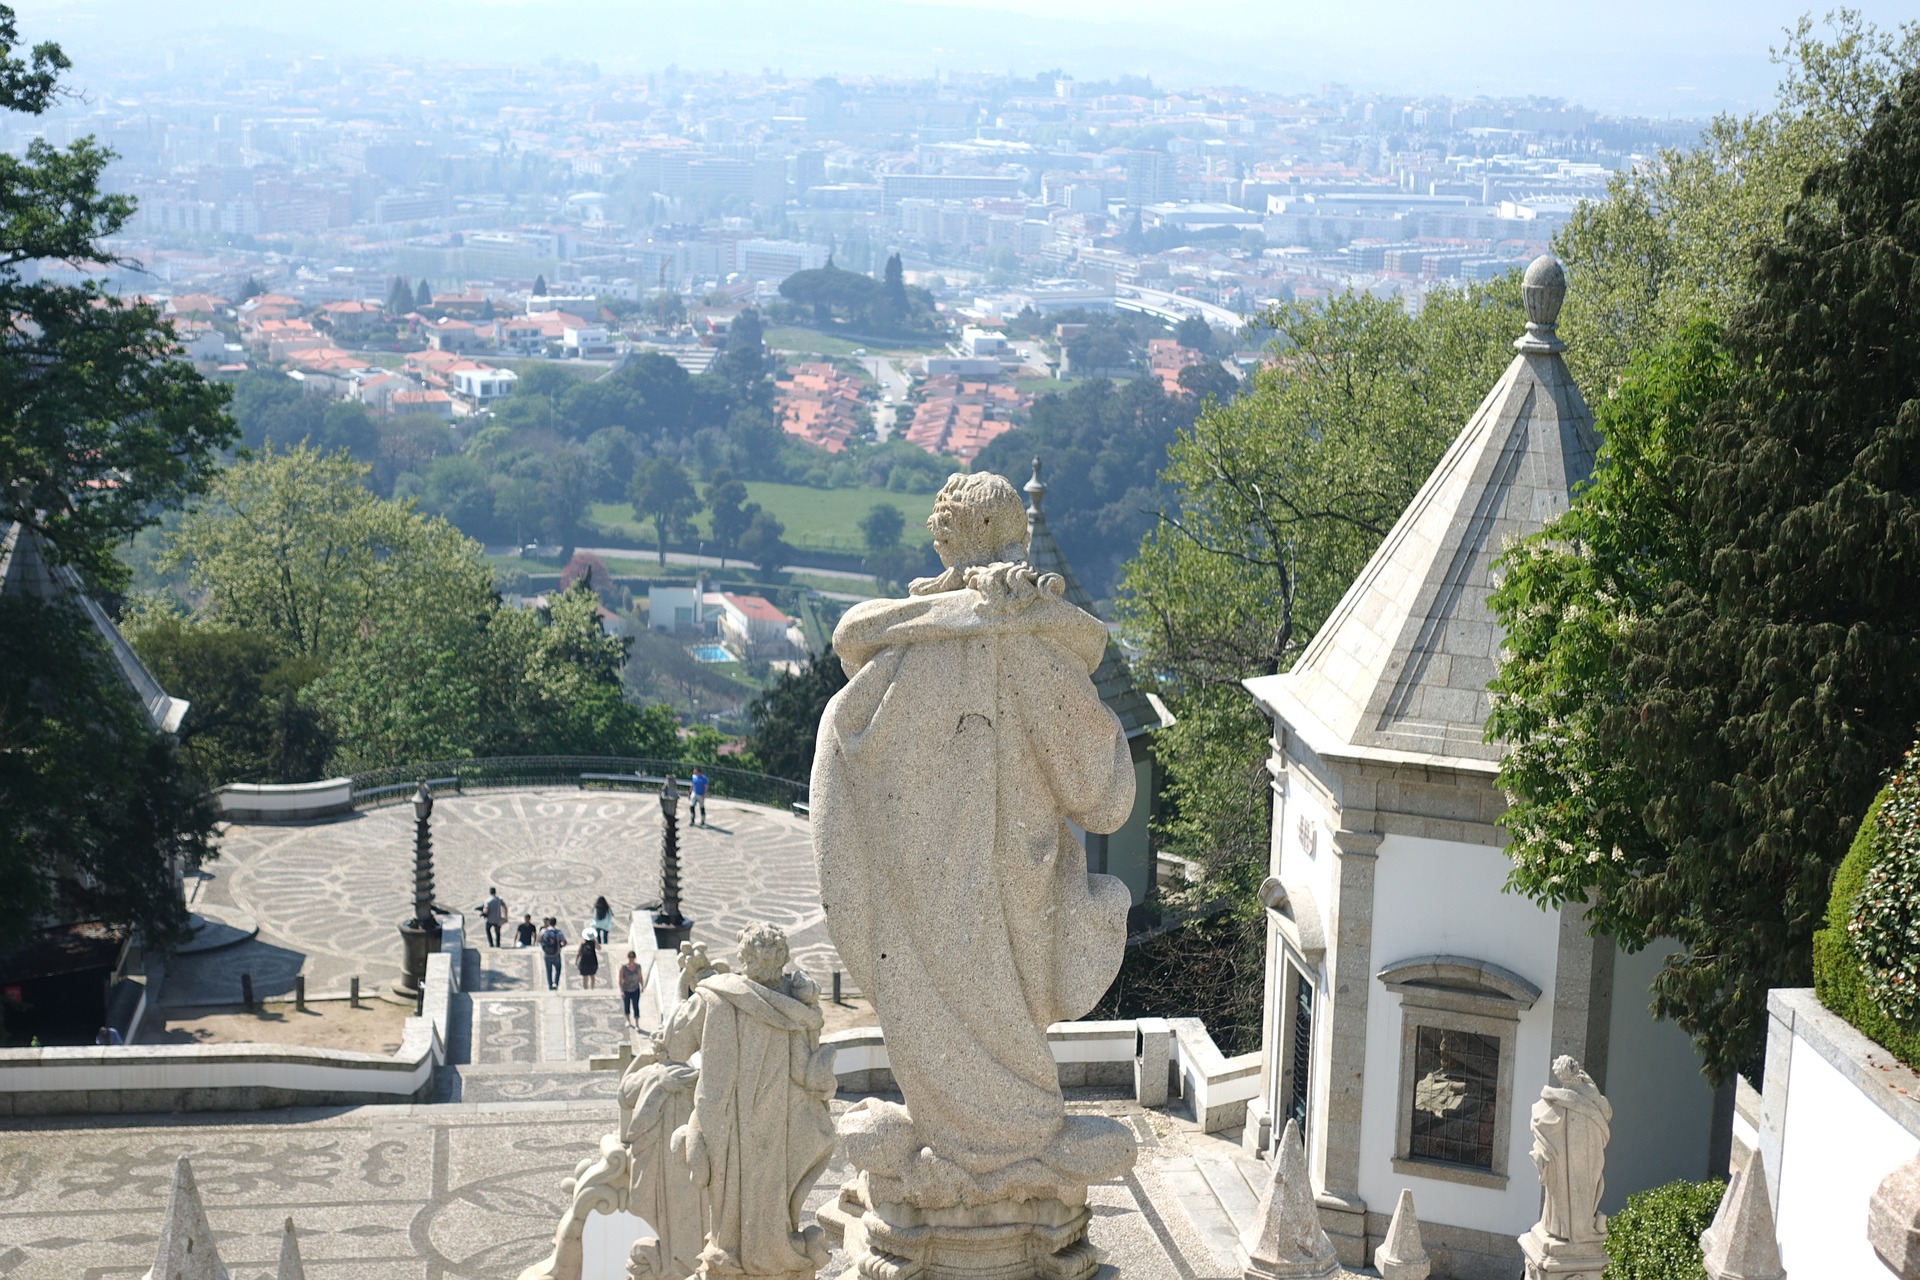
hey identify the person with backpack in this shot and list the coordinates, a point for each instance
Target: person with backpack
(551, 942)
(697, 806)
(588, 961)
(494, 912)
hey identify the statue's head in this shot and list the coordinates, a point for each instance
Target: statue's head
(978, 520)
(763, 953)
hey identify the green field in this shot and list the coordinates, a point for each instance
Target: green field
(828, 519)
(812, 342)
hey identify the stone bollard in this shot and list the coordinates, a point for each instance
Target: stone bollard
(1152, 1059)
(1893, 1220)
(246, 991)
(353, 992)
(1402, 1255)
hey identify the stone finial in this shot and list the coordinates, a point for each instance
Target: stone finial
(186, 1250)
(1543, 288)
(1036, 490)
(1284, 1241)
(1402, 1256)
(1893, 1220)
(290, 1266)
(1741, 1244)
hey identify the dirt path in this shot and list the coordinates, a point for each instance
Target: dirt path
(375, 1027)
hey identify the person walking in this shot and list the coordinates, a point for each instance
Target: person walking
(494, 912)
(697, 807)
(551, 942)
(602, 919)
(632, 982)
(589, 961)
(524, 931)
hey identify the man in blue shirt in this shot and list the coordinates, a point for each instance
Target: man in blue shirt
(697, 808)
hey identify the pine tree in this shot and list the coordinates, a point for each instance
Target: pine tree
(423, 296)
(895, 285)
(399, 297)
(540, 286)
(1769, 693)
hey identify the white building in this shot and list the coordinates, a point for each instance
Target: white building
(775, 260)
(1412, 1005)
(983, 343)
(484, 385)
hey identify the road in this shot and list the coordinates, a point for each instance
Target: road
(893, 381)
(693, 561)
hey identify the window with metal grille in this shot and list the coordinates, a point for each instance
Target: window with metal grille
(1456, 1080)
(1302, 1051)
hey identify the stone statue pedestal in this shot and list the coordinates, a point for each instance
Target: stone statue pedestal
(1551, 1258)
(909, 1214)
(1002, 1240)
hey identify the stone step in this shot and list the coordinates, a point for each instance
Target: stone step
(1238, 1200)
(1192, 1191)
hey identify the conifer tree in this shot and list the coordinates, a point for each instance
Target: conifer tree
(423, 296)
(540, 286)
(399, 297)
(895, 285)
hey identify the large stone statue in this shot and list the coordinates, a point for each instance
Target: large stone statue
(760, 1131)
(1571, 1123)
(968, 737)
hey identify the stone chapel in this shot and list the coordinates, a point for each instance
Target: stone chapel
(1413, 1007)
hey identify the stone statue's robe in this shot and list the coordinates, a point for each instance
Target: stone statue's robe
(761, 1132)
(660, 1096)
(967, 738)
(1571, 1124)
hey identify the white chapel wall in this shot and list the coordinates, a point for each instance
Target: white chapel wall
(1444, 897)
(1662, 1105)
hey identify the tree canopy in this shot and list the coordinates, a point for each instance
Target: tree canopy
(1748, 547)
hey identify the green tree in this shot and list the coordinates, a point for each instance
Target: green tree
(96, 810)
(894, 285)
(399, 297)
(1759, 699)
(246, 721)
(1279, 497)
(882, 526)
(1674, 237)
(293, 546)
(100, 427)
(663, 493)
(785, 719)
(729, 512)
(743, 361)
(422, 296)
(101, 430)
(763, 543)
(1195, 334)
(539, 286)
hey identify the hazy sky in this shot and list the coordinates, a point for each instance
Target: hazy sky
(1658, 57)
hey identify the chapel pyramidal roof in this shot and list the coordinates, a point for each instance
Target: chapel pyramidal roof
(1138, 713)
(1402, 664)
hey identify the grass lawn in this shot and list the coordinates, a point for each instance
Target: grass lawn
(825, 518)
(1041, 386)
(813, 342)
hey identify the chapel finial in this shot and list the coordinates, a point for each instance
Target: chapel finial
(1036, 490)
(1542, 289)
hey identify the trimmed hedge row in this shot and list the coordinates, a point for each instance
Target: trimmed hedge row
(1657, 1236)
(1839, 979)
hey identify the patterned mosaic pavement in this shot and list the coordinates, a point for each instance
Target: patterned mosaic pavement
(385, 1193)
(328, 895)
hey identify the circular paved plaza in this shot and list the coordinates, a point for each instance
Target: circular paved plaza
(328, 895)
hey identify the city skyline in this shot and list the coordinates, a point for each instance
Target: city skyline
(1639, 57)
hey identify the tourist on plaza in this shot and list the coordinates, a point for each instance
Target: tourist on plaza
(494, 912)
(111, 1035)
(602, 918)
(589, 961)
(551, 942)
(697, 808)
(632, 982)
(523, 932)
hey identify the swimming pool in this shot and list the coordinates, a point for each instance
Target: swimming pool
(710, 653)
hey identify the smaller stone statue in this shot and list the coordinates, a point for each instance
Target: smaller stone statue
(761, 1131)
(1571, 1123)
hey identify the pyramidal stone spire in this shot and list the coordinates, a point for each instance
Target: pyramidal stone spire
(290, 1265)
(1402, 1256)
(1403, 662)
(1741, 1243)
(186, 1249)
(1284, 1241)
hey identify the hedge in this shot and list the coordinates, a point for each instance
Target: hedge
(1837, 977)
(1657, 1236)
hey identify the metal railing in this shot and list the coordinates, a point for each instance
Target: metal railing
(395, 784)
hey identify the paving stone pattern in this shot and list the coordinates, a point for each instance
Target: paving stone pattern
(329, 895)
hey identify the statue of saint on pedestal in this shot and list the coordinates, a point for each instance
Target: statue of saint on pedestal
(1571, 1123)
(967, 739)
(760, 1131)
